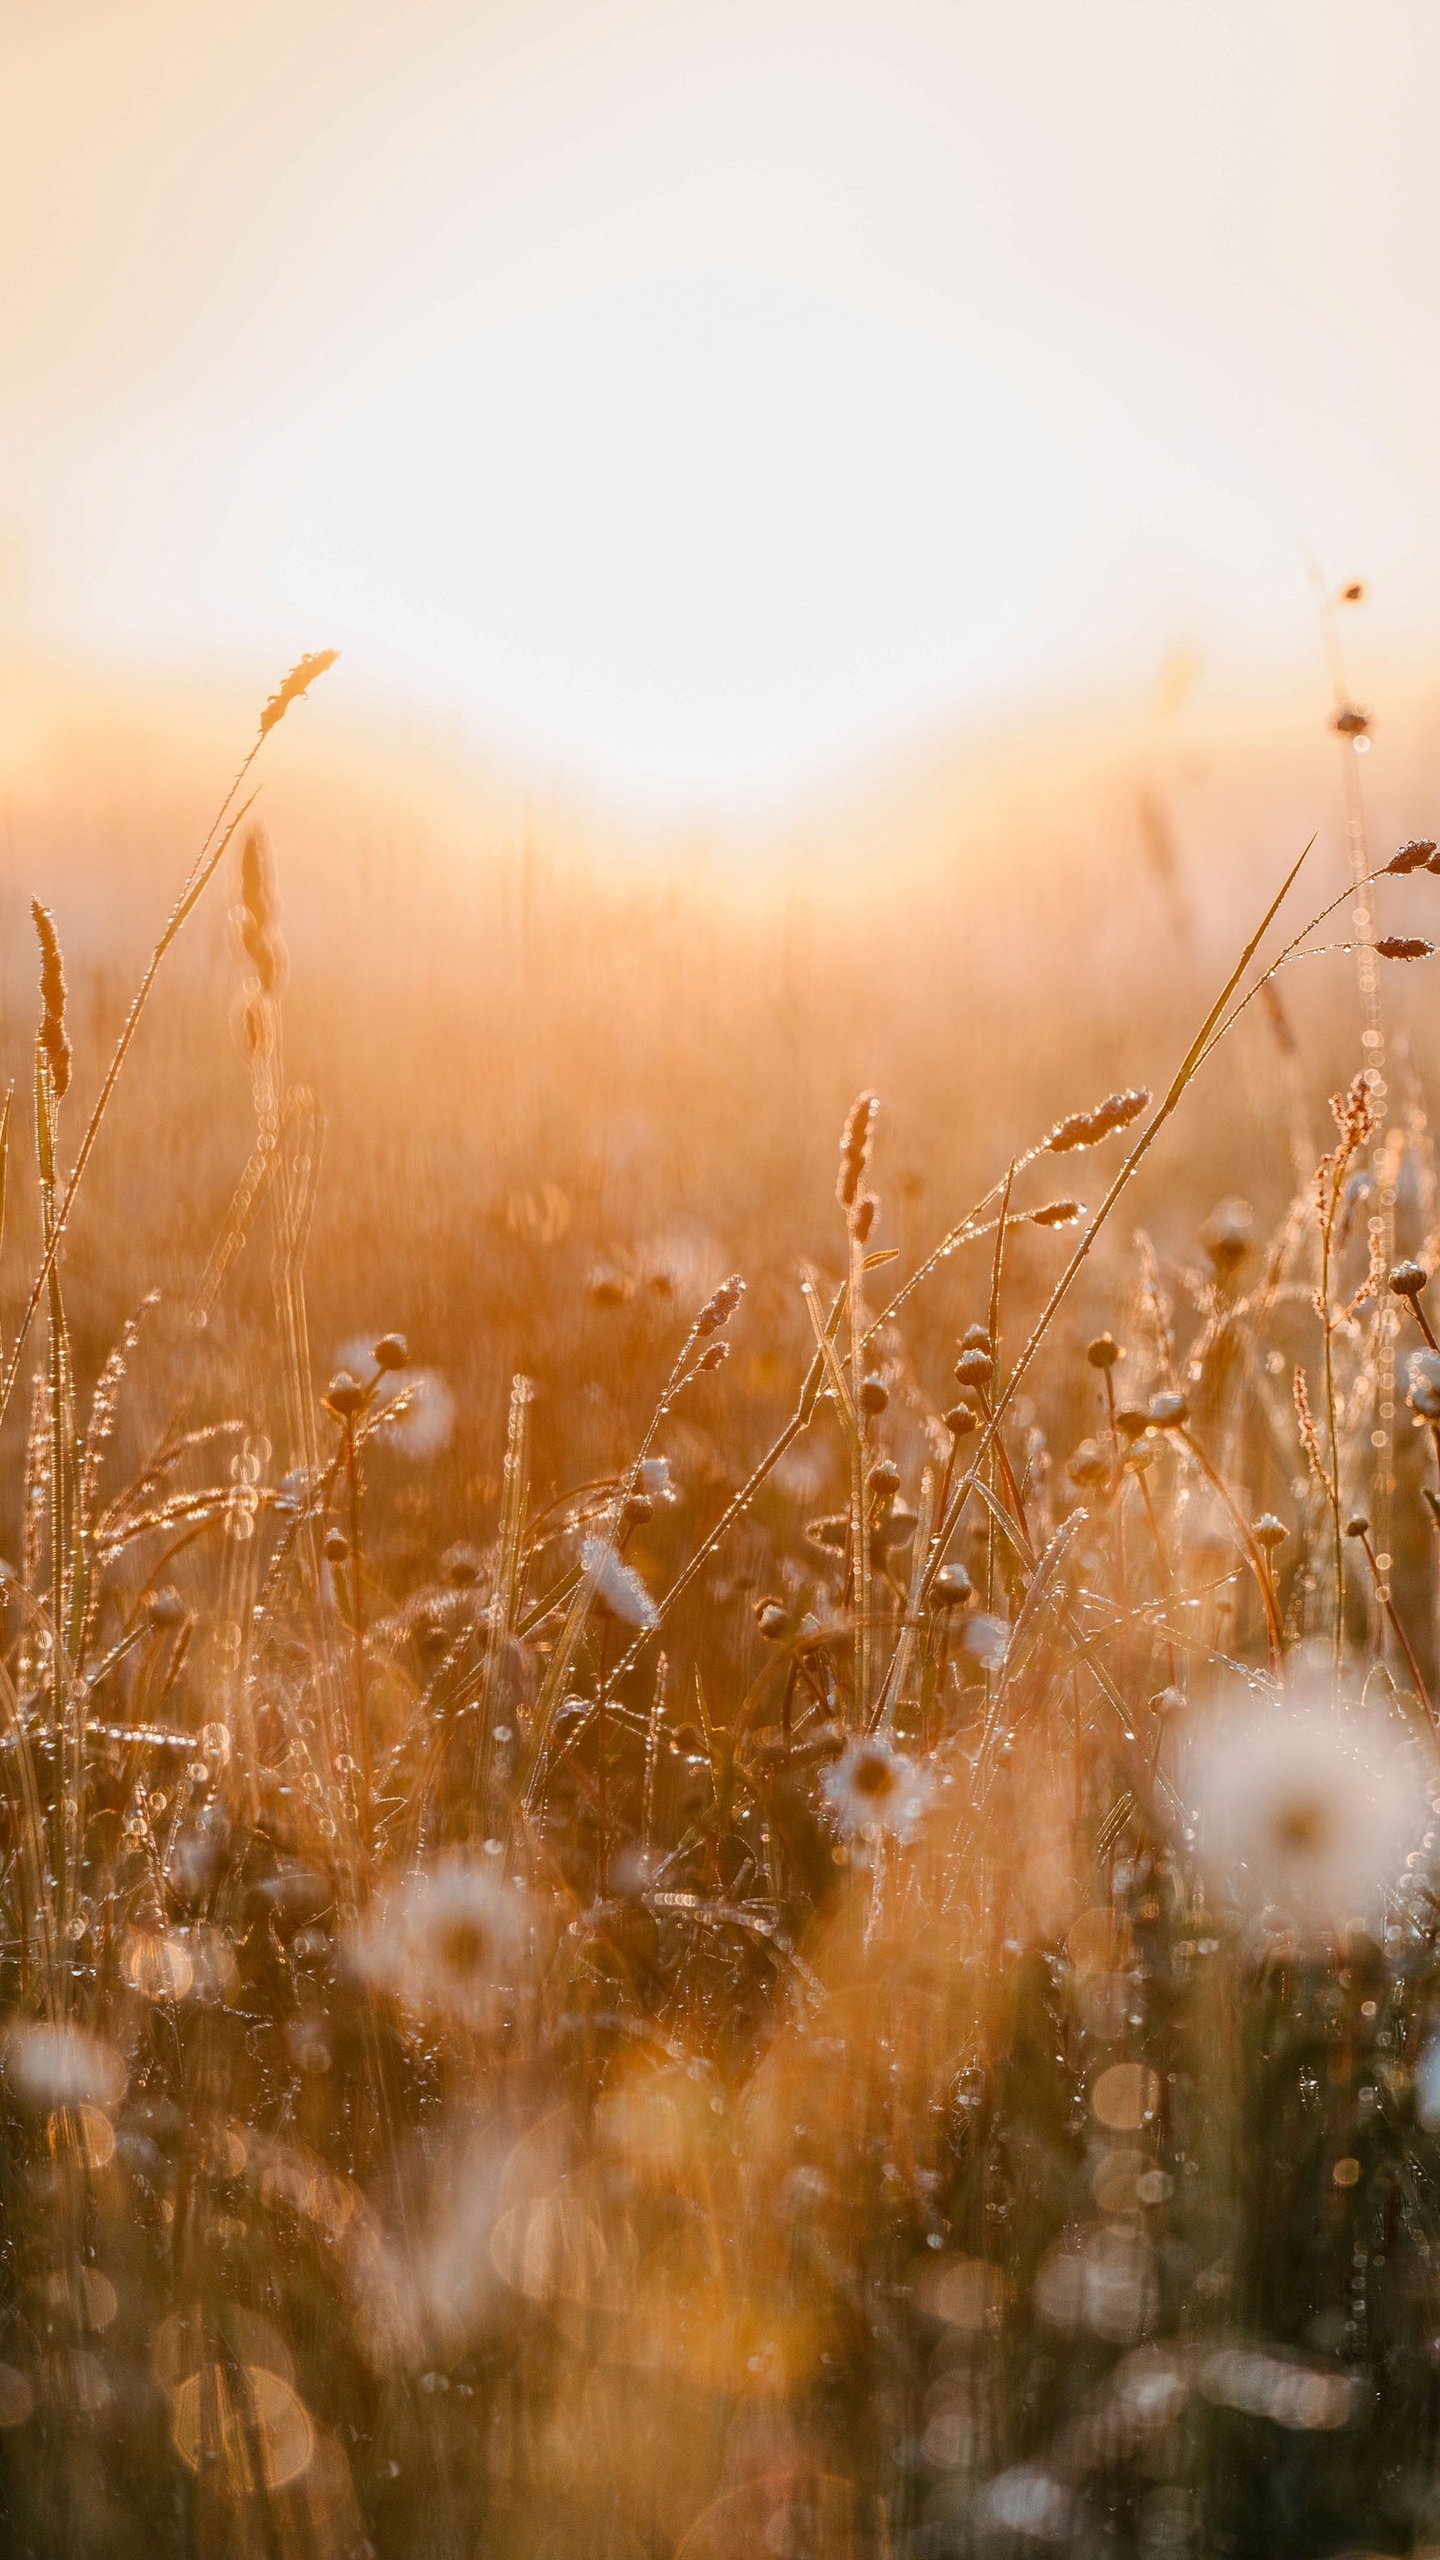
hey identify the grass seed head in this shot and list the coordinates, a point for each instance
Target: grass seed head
(719, 1309)
(1087, 1128)
(52, 1034)
(855, 1144)
(295, 686)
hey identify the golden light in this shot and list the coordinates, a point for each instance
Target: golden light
(696, 400)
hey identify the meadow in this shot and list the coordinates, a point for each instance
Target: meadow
(720, 1687)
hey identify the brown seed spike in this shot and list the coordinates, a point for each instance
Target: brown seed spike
(855, 1147)
(298, 682)
(1414, 856)
(51, 1034)
(1404, 946)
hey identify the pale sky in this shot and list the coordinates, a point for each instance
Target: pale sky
(697, 398)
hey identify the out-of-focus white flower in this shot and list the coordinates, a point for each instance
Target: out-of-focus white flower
(419, 1414)
(453, 1940)
(618, 1585)
(415, 1406)
(52, 2066)
(873, 1787)
(1306, 1805)
(654, 1480)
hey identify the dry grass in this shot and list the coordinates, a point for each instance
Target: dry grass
(658, 1918)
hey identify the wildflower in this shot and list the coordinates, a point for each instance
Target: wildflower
(1228, 1234)
(1306, 1805)
(952, 1587)
(1089, 1463)
(618, 1586)
(453, 1940)
(874, 1787)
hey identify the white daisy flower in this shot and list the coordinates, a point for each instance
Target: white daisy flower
(873, 1787)
(1306, 1805)
(618, 1585)
(453, 1940)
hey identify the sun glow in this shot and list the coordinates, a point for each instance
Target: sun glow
(697, 400)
